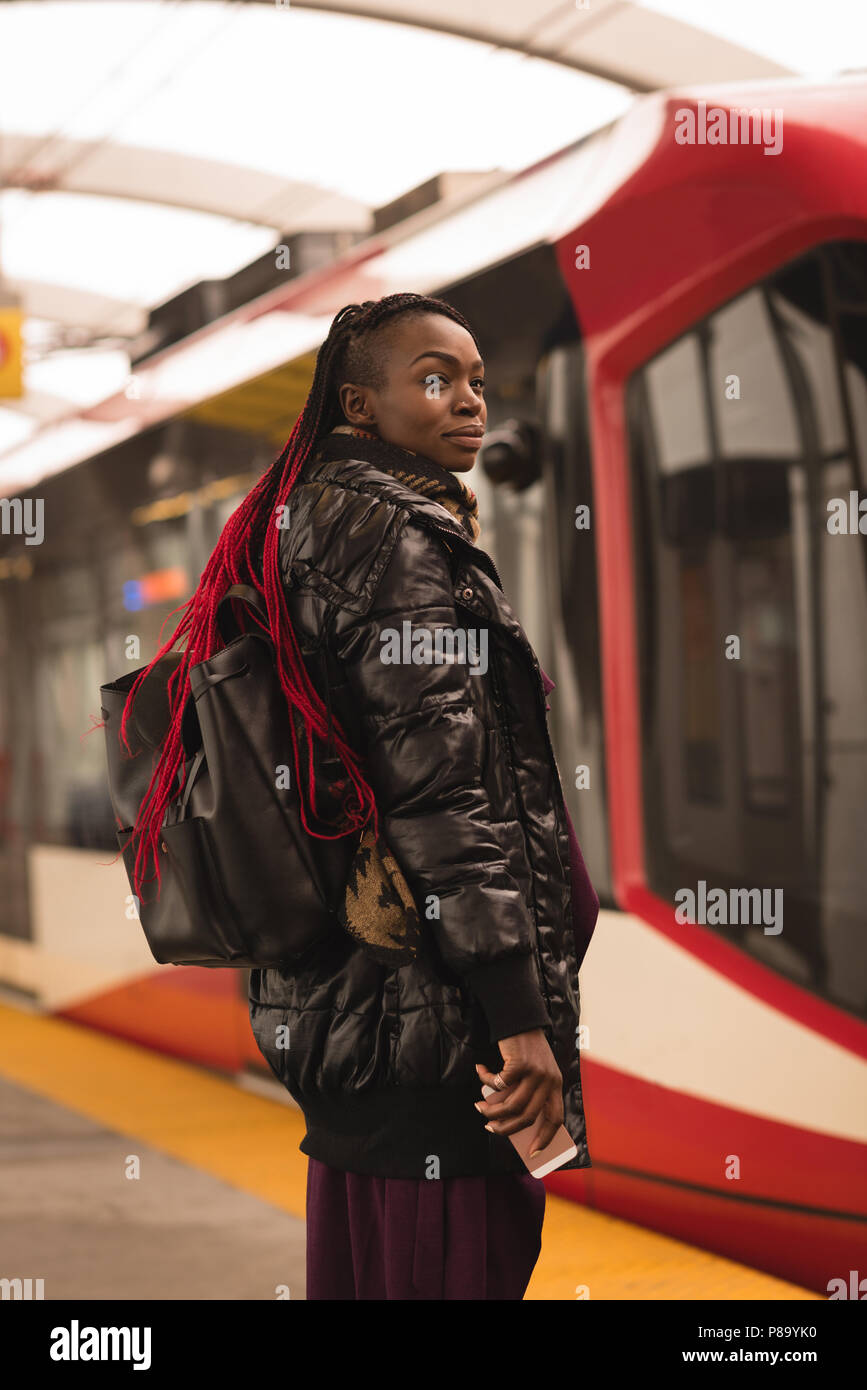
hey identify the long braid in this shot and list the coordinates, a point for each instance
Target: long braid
(349, 353)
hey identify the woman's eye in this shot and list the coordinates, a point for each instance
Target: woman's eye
(432, 380)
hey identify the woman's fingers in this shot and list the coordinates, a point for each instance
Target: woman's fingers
(505, 1105)
(546, 1129)
(543, 1110)
(519, 1110)
(531, 1097)
(489, 1078)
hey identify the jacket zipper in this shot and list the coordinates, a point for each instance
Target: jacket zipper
(499, 704)
(510, 752)
(540, 689)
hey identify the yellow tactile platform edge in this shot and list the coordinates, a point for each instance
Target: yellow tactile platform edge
(252, 1144)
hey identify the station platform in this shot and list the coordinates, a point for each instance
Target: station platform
(216, 1210)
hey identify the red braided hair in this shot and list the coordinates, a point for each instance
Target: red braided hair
(349, 353)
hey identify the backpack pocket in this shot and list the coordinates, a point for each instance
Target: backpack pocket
(192, 910)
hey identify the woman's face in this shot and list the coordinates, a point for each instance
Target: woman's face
(435, 386)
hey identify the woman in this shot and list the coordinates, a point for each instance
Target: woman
(458, 965)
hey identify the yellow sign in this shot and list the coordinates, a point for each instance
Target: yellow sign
(11, 375)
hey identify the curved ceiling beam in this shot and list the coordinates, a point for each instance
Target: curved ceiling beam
(99, 315)
(614, 40)
(106, 169)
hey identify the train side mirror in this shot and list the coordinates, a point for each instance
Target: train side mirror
(512, 454)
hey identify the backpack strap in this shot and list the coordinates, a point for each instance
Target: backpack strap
(226, 620)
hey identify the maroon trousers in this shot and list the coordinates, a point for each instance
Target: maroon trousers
(418, 1238)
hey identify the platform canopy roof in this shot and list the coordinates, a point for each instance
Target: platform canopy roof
(148, 145)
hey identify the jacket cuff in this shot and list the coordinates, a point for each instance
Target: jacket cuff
(508, 991)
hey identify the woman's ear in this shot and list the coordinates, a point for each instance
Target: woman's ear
(356, 406)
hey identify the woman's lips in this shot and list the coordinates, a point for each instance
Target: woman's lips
(466, 441)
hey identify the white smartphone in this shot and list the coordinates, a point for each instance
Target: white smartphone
(561, 1148)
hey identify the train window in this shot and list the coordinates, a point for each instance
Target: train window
(748, 443)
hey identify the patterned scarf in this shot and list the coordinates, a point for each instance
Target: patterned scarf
(414, 470)
(378, 909)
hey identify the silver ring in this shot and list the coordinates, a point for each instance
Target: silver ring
(499, 1082)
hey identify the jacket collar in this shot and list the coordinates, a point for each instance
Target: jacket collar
(348, 461)
(362, 476)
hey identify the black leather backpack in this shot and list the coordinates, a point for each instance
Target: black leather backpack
(243, 884)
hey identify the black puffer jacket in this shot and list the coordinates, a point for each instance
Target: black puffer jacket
(382, 1060)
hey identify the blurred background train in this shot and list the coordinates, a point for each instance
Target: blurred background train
(675, 339)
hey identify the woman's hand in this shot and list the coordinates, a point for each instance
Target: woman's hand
(535, 1091)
